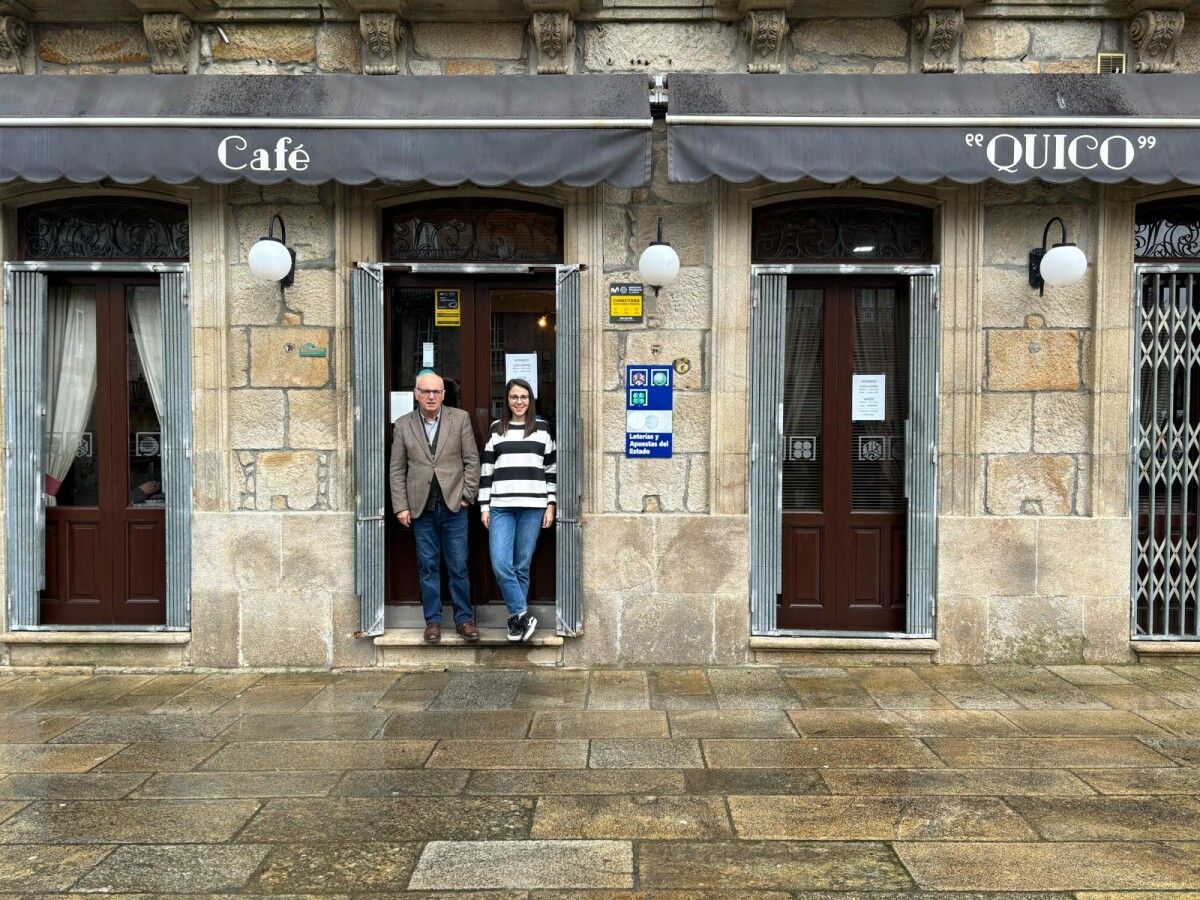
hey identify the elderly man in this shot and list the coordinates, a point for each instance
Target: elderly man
(434, 477)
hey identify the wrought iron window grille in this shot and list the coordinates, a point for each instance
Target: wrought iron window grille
(842, 231)
(473, 231)
(105, 228)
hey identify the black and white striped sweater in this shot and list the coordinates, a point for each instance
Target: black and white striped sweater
(518, 470)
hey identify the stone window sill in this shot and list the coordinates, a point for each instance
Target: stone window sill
(488, 637)
(95, 637)
(870, 645)
(1166, 648)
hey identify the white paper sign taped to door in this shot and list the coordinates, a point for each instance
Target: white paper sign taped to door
(868, 403)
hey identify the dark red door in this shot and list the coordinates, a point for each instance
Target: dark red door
(495, 318)
(105, 520)
(845, 404)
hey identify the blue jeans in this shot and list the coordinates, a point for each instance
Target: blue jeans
(439, 533)
(512, 537)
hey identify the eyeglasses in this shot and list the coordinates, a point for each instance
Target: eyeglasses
(430, 392)
(520, 398)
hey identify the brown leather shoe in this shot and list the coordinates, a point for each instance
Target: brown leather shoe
(433, 633)
(469, 632)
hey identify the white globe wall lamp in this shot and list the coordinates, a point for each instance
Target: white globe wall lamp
(659, 263)
(1061, 265)
(271, 259)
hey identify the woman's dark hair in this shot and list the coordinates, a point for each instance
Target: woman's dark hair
(530, 411)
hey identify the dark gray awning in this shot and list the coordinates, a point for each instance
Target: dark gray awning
(922, 128)
(532, 130)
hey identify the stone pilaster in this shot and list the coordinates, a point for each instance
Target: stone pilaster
(940, 31)
(553, 33)
(383, 43)
(764, 31)
(1154, 34)
(169, 37)
(14, 38)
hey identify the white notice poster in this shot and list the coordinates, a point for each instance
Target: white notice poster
(867, 404)
(427, 355)
(522, 365)
(402, 402)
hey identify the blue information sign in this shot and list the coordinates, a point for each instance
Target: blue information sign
(649, 401)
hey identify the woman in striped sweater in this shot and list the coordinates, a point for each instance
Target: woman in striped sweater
(517, 496)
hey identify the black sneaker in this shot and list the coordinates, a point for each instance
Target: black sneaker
(521, 627)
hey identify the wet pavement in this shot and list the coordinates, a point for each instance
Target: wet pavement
(676, 783)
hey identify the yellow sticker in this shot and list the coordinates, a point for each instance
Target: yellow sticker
(447, 308)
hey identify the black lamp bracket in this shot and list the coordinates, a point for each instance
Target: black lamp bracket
(1036, 254)
(288, 279)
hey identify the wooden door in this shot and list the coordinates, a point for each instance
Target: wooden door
(105, 532)
(843, 471)
(496, 317)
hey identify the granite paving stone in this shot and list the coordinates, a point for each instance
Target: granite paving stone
(552, 690)
(356, 692)
(403, 783)
(1168, 683)
(86, 786)
(578, 782)
(836, 691)
(1083, 722)
(146, 697)
(472, 865)
(526, 754)
(913, 723)
(209, 695)
(503, 724)
(672, 689)
(90, 695)
(127, 822)
(899, 688)
(788, 865)
(1035, 688)
(956, 782)
(1110, 818)
(849, 753)
(1128, 696)
(618, 690)
(1181, 722)
(1087, 675)
(307, 726)
(1185, 751)
(24, 693)
(25, 868)
(645, 754)
(326, 868)
(295, 756)
(1048, 753)
(16, 758)
(191, 868)
(599, 723)
(632, 818)
(287, 821)
(130, 729)
(966, 688)
(484, 690)
(239, 784)
(754, 781)
(159, 757)
(751, 689)
(275, 697)
(1140, 782)
(877, 819)
(9, 808)
(28, 728)
(1068, 866)
(730, 723)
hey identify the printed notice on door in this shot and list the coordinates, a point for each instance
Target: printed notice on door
(867, 404)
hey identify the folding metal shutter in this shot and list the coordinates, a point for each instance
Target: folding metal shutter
(569, 437)
(25, 297)
(920, 474)
(366, 300)
(177, 444)
(766, 439)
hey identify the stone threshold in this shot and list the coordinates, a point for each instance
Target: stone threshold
(95, 637)
(1166, 651)
(844, 651)
(488, 637)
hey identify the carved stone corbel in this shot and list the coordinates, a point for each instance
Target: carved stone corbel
(14, 38)
(1154, 34)
(940, 31)
(383, 42)
(169, 37)
(764, 31)
(553, 33)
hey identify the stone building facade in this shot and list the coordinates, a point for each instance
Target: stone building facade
(1033, 527)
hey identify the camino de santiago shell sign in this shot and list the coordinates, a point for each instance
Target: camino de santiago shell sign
(921, 129)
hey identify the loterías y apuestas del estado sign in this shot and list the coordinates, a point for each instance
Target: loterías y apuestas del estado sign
(236, 153)
(1060, 152)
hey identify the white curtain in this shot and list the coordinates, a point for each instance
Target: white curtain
(70, 378)
(145, 318)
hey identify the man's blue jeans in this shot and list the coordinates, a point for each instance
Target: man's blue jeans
(441, 532)
(512, 537)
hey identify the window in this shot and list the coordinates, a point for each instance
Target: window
(842, 231)
(461, 230)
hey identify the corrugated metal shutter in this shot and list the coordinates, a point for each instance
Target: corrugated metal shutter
(569, 437)
(766, 439)
(25, 296)
(366, 300)
(177, 444)
(921, 455)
